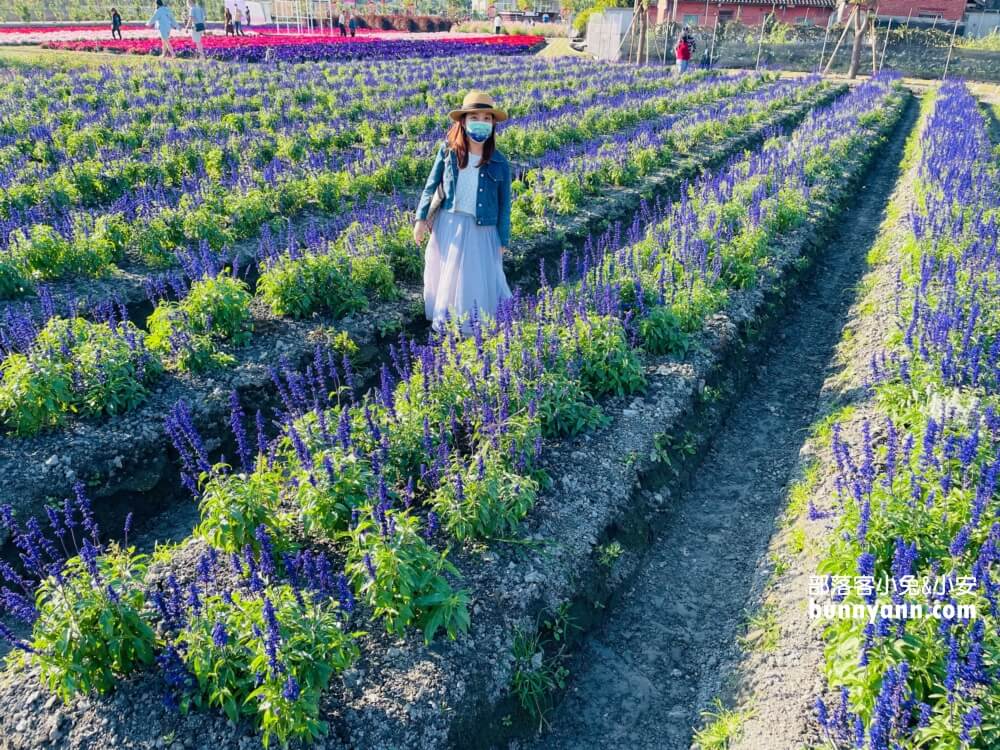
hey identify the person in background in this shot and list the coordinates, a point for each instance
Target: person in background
(683, 54)
(497, 23)
(353, 23)
(229, 23)
(247, 21)
(470, 230)
(341, 24)
(237, 15)
(164, 21)
(689, 38)
(116, 24)
(196, 22)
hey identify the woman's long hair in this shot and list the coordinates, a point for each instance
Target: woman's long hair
(458, 141)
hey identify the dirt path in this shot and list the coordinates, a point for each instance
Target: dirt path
(642, 679)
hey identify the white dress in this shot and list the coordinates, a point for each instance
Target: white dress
(463, 268)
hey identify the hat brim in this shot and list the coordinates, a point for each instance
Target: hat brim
(498, 114)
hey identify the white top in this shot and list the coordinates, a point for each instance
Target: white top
(466, 187)
(498, 20)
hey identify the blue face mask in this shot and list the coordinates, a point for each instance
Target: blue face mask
(478, 130)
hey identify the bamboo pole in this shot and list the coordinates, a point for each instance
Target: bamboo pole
(951, 48)
(885, 45)
(826, 38)
(840, 41)
(873, 17)
(711, 49)
(760, 42)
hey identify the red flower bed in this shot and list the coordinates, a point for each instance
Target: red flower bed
(313, 46)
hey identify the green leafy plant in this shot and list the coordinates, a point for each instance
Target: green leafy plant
(267, 657)
(540, 663)
(722, 728)
(75, 367)
(234, 507)
(215, 310)
(564, 409)
(608, 553)
(92, 626)
(43, 253)
(326, 501)
(313, 282)
(402, 578)
(484, 499)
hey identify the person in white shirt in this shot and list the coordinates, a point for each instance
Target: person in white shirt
(164, 21)
(196, 22)
(342, 24)
(238, 16)
(497, 24)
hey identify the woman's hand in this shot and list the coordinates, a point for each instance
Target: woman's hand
(420, 231)
(503, 251)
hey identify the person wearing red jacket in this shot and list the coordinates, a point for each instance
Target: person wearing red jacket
(683, 54)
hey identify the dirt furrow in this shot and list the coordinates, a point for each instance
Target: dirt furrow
(642, 679)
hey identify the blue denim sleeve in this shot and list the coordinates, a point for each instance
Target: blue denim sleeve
(503, 208)
(433, 180)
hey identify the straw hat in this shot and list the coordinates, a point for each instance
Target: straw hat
(478, 101)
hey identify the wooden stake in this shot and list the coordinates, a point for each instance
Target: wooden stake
(852, 70)
(873, 17)
(840, 41)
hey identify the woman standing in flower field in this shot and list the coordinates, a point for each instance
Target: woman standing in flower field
(470, 184)
(196, 21)
(164, 21)
(116, 24)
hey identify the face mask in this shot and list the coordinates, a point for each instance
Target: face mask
(478, 130)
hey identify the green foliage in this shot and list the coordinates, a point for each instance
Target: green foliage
(608, 553)
(325, 504)
(233, 507)
(723, 727)
(601, 357)
(13, 282)
(540, 663)
(238, 675)
(85, 639)
(74, 367)
(483, 501)
(662, 332)
(408, 587)
(43, 253)
(215, 310)
(311, 283)
(565, 409)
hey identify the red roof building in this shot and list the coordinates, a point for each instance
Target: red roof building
(751, 12)
(816, 12)
(945, 10)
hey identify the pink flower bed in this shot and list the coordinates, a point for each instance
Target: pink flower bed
(89, 27)
(314, 46)
(43, 34)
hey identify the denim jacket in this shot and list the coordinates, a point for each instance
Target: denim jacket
(493, 204)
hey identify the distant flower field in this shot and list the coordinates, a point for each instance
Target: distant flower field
(257, 47)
